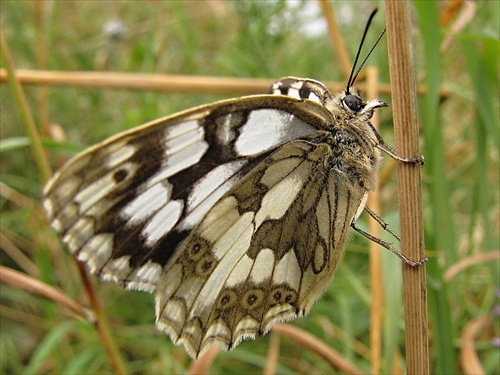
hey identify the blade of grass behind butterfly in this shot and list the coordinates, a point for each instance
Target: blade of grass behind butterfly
(481, 54)
(83, 361)
(440, 233)
(49, 345)
(443, 237)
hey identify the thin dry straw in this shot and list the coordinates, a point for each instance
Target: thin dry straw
(376, 281)
(24, 110)
(313, 344)
(409, 184)
(21, 281)
(165, 82)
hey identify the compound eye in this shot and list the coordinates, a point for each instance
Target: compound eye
(353, 102)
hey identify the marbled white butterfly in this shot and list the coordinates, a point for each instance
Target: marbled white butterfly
(235, 214)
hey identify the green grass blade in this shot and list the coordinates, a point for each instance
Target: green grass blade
(441, 234)
(50, 344)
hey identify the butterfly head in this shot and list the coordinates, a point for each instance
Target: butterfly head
(352, 102)
(351, 105)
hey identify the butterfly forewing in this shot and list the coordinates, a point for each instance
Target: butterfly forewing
(235, 213)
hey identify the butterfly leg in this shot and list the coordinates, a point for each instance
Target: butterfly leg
(382, 223)
(391, 152)
(386, 244)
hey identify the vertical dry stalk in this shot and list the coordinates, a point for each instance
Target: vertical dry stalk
(203, 364)
(41, 63)
(409, 183)
(376, 282)
(338, 44)
(101, 322)
(25, 111)
(273, 354)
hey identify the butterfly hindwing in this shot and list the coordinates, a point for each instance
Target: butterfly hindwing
(263, 254)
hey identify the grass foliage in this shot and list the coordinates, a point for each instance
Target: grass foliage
(460, 141)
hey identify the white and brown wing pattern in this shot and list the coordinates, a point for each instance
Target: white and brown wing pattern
(235, 213)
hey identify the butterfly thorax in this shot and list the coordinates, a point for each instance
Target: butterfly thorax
(349, 133)
(351, 159)
(351, 138)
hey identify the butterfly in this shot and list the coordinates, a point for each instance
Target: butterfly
(235, 214)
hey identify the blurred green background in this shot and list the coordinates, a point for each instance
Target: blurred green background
(256, 39)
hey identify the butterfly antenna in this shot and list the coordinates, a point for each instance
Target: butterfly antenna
(353, 76)
(367, 56)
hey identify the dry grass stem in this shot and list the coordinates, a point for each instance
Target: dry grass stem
(24, 110)
(336, 39)
(102, 325)
(409, 184)
(165, 82)
(41, 64)
(376, 281)
(468, 354)
(467, 262)
(32, 285)
(313, 344)
(203, 364)
(273, 354)
(24, 262)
